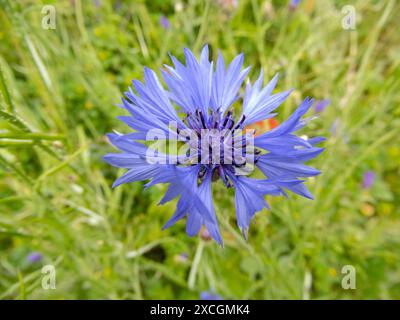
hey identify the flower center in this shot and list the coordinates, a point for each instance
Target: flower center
(219, 143)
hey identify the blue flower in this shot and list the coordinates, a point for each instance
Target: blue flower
(34, 257)
(195, 114)
(164, 22)
(206, 295)
(293, 4)
(320, 105)
(368, 179)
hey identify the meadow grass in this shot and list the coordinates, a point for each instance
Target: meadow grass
(59, 90)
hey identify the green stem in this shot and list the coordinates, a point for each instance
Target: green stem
(32, 136)
(203, 27)
(195, 265)
(14, 121)
(6, 93)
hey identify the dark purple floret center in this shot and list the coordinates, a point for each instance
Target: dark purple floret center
(221, 144)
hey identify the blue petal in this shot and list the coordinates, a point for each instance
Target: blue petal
(301, 190)
(205, 195)
(227, 83)
(278, 168)
(172, 192)
(290, 124)
(122, 160)
(125, 144)
(299, 155)
(191, 86)
(258, 104)
(193, 224)
(140, 172)
(316, 140)
(248, 201)
(280, 144)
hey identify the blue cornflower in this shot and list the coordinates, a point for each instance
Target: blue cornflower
(207, 295)
(196, 115)
(34, 257)
(320, 105)
(293, 4)
(164, 22)
(368, 179)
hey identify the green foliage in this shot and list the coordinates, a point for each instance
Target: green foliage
(59, 89)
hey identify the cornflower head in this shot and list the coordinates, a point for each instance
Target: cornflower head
(189, 137)
(164, 22)
(293, 4)
(368, 179)
(209, 295)
(320, 105)
(34, 257)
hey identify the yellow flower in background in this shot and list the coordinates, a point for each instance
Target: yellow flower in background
(79, 89)
(367, 209)
(107, 273)
(332, 272)
(387, 208)
(88, 105)
(394, 152)
(103, 55)
(98, 31)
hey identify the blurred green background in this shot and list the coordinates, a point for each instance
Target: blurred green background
(59, 88)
